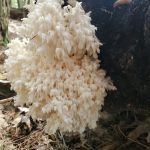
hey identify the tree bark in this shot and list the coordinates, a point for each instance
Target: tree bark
(4, 16)
(125, 55)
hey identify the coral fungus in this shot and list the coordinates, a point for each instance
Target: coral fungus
(54, 69)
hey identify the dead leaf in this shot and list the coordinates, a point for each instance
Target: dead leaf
(3, 122)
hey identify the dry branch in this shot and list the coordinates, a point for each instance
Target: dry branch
(3, 101)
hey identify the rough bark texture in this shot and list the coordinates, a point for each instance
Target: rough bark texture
(125, 33)
(4, 15)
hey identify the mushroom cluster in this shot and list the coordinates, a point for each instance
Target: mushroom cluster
(54, 69)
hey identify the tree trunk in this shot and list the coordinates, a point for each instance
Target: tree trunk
(125, 55)
(4, 15)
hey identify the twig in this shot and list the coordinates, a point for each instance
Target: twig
(132, 140)
(3, 101)
(4, 82)
(62, 138)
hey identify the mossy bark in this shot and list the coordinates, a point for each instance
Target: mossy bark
(4, 16)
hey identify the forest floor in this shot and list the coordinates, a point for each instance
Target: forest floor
(126, 129)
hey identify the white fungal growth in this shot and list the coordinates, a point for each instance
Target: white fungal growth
(55, 69)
